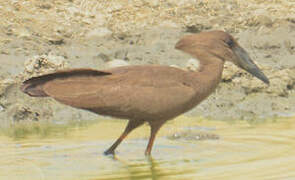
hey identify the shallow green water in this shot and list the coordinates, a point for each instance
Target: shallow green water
(186, 148)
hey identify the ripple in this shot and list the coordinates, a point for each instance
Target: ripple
(243, 151)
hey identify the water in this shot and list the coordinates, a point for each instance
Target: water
(186, 148)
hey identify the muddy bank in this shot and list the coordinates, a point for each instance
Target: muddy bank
(95, 34)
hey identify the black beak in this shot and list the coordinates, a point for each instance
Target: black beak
(246, 63)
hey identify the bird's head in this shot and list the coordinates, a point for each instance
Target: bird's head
(221, 46)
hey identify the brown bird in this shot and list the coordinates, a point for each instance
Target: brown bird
(146, 93)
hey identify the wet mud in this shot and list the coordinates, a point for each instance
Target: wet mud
(102, 34)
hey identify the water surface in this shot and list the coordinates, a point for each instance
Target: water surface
(186, 148)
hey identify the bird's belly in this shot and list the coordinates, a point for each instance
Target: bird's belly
(147, 112)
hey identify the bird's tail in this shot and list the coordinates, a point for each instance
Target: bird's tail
(34, 86)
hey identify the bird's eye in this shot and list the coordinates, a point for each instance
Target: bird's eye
(230, 42)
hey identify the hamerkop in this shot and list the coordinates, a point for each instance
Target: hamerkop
(147, 93)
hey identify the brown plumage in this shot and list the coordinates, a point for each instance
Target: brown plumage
(146, 93)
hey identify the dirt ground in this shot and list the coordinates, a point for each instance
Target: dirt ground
(40, 36)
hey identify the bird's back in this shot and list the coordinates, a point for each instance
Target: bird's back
(130, 92)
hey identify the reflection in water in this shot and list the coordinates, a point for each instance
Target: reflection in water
(242, 151)
(150, 168)
(147, 168)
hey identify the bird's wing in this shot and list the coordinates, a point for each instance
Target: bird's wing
(34, 85)
(137, 90)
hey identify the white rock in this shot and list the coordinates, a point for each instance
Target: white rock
(73, 10)
(116, 63)
(98, 32)
(175, 66)
(180, 2)
(1, 108)
(22, 32)
(193, 65)
(169, 23)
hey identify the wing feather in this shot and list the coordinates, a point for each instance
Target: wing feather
(122, 93)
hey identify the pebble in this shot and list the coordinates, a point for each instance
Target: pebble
(44, 63)
(116, 63)
(98, 32)
(1, 108)
(192, 65)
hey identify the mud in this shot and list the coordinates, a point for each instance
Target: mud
(38, 37)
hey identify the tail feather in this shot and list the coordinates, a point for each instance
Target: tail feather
(34, 86)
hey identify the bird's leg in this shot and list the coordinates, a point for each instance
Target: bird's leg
(130, 126)
(154, 129)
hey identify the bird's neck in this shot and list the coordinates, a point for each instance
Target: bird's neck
(208, 76)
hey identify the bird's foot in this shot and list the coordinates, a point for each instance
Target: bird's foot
(147, 154)
(109, 152)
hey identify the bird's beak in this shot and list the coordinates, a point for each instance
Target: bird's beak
(246, 63)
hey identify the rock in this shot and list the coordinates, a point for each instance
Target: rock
(23, 33)
(145, 32)
(152, 3)
(55, 40)
(260, 20)
(169, 24)
(4, 84)
(175, 66)
(1, 108)
(73, 11)
(43, 64)
(21, 113)
(121, 54)
(192, 65)
(62, 31)
(46, 6)
(230, 71)
(289, 46)
(264, 20)
(4, 52)
(103, 57)
(191, 135)
(179, 2)
(87, 21)
(282, 82)
(197, 27)
(98, 32)
(116, 63)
